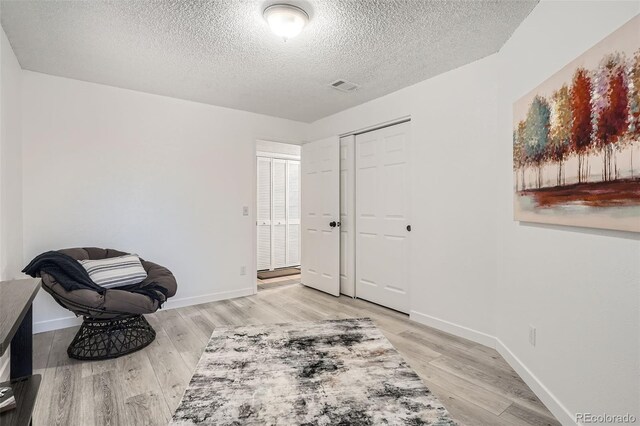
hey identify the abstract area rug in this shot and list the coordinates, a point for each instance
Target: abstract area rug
(342, 372)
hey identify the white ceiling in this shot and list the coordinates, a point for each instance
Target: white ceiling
(223, 53)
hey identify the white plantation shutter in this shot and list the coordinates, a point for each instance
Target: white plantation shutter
(294, 190)
(279, 190)
(264, 213)
(264, 247)
(279, 244)
(278, 213)
(279, 228)
(293, 213)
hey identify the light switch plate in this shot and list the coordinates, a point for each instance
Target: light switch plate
(532, 335)
(245, 211)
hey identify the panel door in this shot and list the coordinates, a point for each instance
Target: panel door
(263, 218)
(382, 216)
(321, 215)
(347, 216)
(293, 213)
(279, 214)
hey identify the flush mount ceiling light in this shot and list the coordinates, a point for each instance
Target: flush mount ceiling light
(285, 20)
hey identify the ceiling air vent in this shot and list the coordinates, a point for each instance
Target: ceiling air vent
(344, 86)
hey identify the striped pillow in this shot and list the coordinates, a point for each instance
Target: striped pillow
(115, 271)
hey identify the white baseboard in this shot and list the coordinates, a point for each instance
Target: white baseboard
(58, 323)
(206, 298)
(556, 407)
(546, 396)
(456, 329)
(55, 324)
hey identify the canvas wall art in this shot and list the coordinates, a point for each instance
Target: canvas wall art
(576, 140)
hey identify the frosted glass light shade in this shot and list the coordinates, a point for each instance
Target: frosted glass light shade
(285, 20)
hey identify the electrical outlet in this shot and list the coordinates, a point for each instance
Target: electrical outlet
(243, 270)
(245, 211)
(532, 335)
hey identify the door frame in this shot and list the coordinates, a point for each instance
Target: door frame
(348, 227)
(253, 217)
(253, 204)
(372, 127)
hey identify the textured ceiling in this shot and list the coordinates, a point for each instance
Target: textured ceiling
(223, 53)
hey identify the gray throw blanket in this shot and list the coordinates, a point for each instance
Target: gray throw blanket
(71, 275)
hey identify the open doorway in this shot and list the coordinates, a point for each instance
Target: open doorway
(277, 213)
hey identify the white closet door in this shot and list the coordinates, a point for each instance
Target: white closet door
(320, 215)
(382, 216)
(293, 213)
(279, 215)
(347, 216)
(263, 218)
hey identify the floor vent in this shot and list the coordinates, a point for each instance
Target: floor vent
(344, 86)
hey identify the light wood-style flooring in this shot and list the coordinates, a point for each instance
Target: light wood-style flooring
(475, 384)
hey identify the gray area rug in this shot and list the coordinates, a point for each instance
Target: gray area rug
(342, 372)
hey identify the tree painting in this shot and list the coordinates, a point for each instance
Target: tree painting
(519, 155)
(634, 96)
(560, 130)
(612, 116)
(536, 134)
(580, 103)
(586, 116)
(634, 104)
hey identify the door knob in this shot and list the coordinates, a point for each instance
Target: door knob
(409, 228)
(333, 224)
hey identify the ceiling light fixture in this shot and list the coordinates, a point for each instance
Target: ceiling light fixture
(285, 20)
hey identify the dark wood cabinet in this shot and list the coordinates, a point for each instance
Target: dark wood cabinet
(16, 328)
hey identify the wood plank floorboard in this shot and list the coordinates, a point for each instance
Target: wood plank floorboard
(108, 401)
(147, 409)
(41, 347)
(144, 388)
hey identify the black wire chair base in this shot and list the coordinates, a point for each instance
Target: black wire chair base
(110, 338)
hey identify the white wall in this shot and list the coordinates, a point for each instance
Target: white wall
(10, 171)
(160, 177)
(91, 156)
(479, 274)
(453, 196)
(10, 164)
(580, 288)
